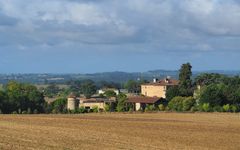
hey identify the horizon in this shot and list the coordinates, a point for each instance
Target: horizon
(85, 37)
(84, 73)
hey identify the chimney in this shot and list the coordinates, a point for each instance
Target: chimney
(155, 80)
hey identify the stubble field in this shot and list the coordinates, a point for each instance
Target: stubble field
(121, 131)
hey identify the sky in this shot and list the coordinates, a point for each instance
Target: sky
(87, 36)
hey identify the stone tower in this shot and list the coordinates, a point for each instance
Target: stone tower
(71, 102)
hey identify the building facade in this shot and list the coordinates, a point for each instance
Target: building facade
(158, 88)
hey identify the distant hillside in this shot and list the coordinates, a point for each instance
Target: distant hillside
(117, 76)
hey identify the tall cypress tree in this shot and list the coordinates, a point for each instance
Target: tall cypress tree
(185, 84)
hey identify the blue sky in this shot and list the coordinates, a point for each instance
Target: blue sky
(85, 36)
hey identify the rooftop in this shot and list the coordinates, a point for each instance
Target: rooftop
(142, 99)
(164, 82)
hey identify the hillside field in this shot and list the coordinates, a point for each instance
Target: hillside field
(121, 131)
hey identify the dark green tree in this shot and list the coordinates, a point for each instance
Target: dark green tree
(110, 93)
(59, 105)
(185, 84)
(121, 102)
(172, 92)
(214, 95)
(88, 88)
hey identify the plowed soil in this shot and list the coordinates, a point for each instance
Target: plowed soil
(121, 131)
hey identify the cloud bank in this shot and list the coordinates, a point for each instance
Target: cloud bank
(169, 27)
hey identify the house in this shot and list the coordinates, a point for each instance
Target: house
(140, 102)
(93, 102)
(158, 88)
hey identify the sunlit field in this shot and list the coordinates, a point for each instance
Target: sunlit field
(121, 131)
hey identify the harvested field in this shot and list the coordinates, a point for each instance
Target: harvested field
(121, 131)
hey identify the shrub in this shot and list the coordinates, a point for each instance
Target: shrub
(81, 109)
(0, 111)
(234, 108)
(161, 107)
(206, 107)
(35, 111)
(95, 109)
(194, 108)
(107, 108)
(54, 111)
(226, 108)
(149, 108)
(24, 112)
(218, 109)
(176, 103)
(14, 112)
(187, 103)
(130, 110)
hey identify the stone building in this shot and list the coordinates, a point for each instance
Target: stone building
(72, 102)
(158, 88)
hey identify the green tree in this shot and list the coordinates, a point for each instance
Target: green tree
(23, 96)
(59, 105)
(185, 84)
(213, 94)
(52, 90)
(121, 102)
(110, 93)
(88, 88)
(172, 92)
(176, 103)
(188, 103)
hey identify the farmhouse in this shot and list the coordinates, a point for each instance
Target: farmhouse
(140, 102)
(158, 88)
(93, 102)
(75, 103)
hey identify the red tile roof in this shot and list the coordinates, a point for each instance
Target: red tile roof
(164, 82)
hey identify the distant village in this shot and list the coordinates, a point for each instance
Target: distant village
(207, 92)
(151, 94)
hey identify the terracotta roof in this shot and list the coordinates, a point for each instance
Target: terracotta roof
(142, 99)
(164, 82)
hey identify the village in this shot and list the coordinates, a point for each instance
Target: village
(151, 94)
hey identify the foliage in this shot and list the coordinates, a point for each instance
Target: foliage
(150, 108)
(213, 94)
(110, 93)
(121, 102)
(134, 86)
(176, 103)
(188, 103)
(234, 108)
(59, 105)
(88, 88)
(161, 107)
(172, 92)
(209, 78)
(19, 96)
(185, 85)
(206, 107)
(95, 109)
(107, 107)
(52, 90)
(226, 108)
(218, 109)
(81, 109)
(181, 103)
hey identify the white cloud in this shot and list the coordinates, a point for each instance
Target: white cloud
(166, 24)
